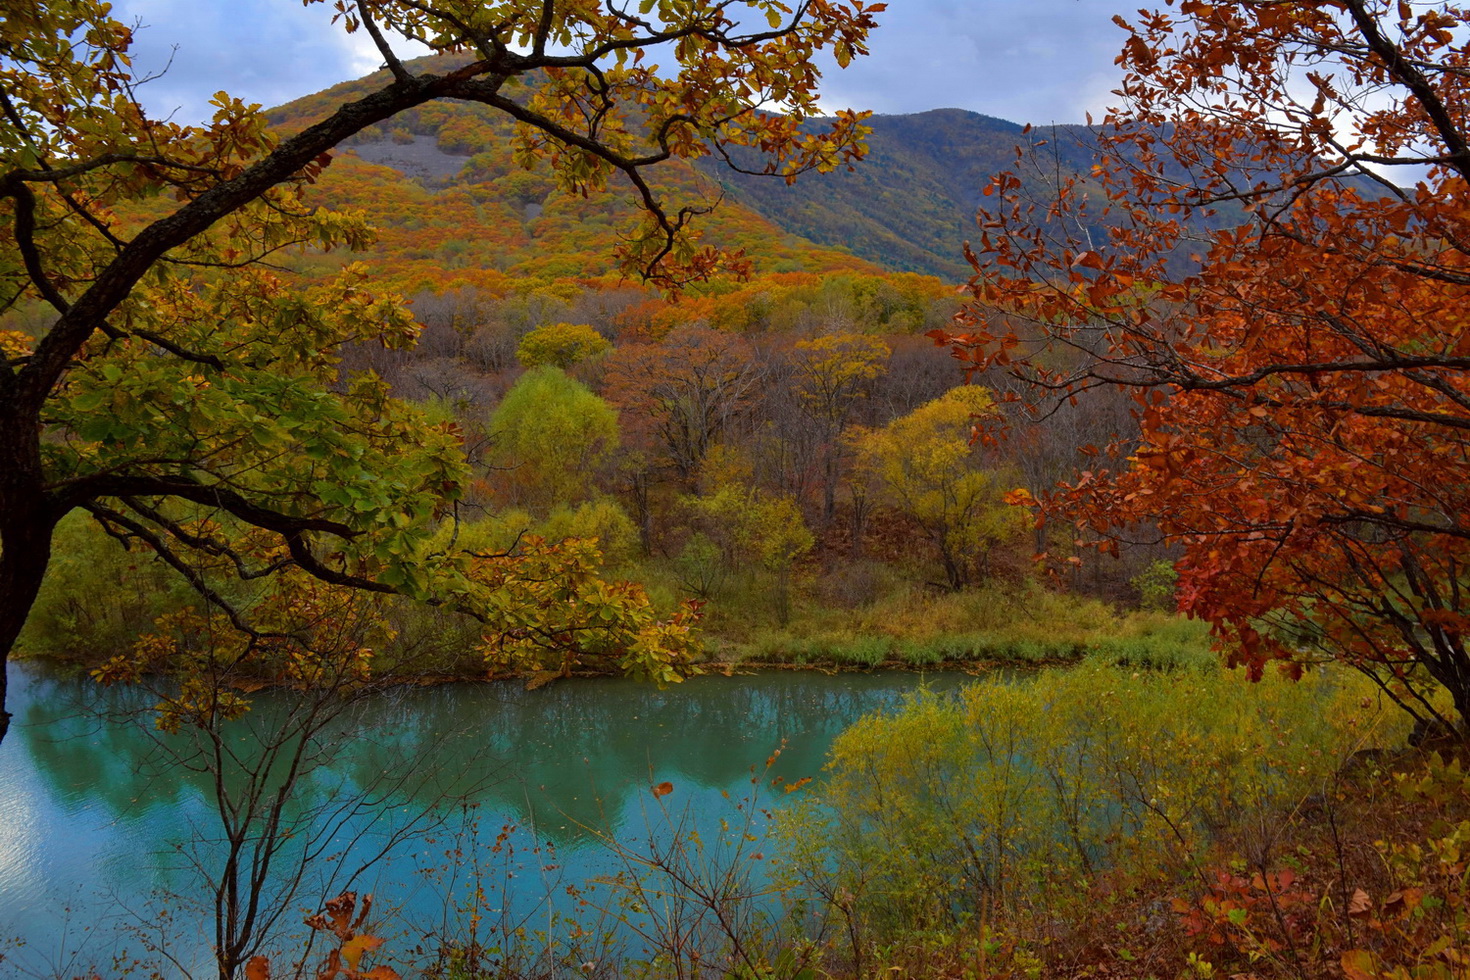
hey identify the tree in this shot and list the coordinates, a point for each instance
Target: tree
(1283, 286)
(173, 369)
(561, 345)
(550, 434)
(689, 391)
(928, 464)
(273, 826)
(832, 377)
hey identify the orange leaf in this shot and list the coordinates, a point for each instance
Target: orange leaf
(663, 789)
(259, 968)
(1360, 904)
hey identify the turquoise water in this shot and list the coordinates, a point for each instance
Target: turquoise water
(107, 845)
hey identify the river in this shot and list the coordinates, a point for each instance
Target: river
(106, 842)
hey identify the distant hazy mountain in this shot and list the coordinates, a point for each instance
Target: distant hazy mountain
(910, 205)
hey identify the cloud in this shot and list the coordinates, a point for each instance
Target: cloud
(1038, 61)
(1034, 61)
(261, 51)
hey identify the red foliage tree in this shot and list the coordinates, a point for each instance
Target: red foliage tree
(1274, 257)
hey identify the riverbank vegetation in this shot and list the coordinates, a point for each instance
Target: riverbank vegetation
(101, 599)
(1094, 822)
(1104, 822)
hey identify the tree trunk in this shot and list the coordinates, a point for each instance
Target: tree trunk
(829, 487)
(27, 520)
(859, 521)
(954, 570)
(644, 512)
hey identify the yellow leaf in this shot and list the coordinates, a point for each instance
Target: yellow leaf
(353, 949)
(1359, 964)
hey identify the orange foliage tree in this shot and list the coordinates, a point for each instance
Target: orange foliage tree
(687, 392)
(167, 371)
(1273, 255)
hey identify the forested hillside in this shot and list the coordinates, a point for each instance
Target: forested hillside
(453, 207)
(909, 206)
(744, 443)
(912, 204)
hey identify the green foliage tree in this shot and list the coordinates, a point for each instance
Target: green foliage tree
(174, 373)
(561, 345)
(550, 434)
(752, 527)
(927, 462)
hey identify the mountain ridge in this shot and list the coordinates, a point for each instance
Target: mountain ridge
(910, 204)
(468, 215)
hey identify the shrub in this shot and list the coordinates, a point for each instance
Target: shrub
(1025, 793)
(604, 520)
(98, 596)
(1155, 585)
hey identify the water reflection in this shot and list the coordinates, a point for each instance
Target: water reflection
(94, 813)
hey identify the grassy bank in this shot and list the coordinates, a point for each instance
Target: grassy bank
(99, 597)
(1025, 626)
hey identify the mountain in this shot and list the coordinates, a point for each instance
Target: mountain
(455, 209)
(910, 205)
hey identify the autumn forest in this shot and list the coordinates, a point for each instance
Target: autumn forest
(1121, 460)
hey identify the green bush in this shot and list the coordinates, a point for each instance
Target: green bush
(98, 596)
(1025, 792)
(1155, 585)
(602, 519)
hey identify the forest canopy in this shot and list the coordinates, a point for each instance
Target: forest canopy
(174, 383)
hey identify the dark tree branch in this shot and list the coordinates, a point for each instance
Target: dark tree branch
(1411, 77)
(79, 492)
(389, 58)
(111, 519)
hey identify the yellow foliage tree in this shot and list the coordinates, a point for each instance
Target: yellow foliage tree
(561, 345)
(928, 464)
(832, 377)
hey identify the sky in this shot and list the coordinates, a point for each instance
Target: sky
(1037, 61)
